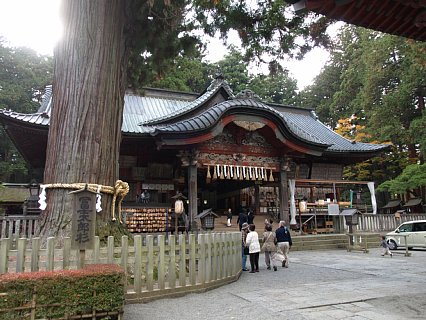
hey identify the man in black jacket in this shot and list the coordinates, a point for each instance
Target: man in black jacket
(284, 242)
(242, 217)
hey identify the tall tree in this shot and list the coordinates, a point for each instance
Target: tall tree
(381, 82)
(276, 87)
(102, 38)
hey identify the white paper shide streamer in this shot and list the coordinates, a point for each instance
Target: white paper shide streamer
(98, 199)
(42, 197)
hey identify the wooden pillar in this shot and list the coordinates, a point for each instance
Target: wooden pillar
(189, 159)
(256, 199)
(192, 195)
(283, 189)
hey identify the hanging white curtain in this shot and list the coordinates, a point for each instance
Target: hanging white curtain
(292, 185)
(373, 196)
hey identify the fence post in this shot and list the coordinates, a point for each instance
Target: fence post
(35, 254)
(4, 253)
(202, 259)
(66, 256)
(50, 254)
(192, 259)
(182, 260)
(219, 259)
(10, 233)
(110, 250)
(96, 249)
(138, 264)
(20, 259)
(172, 264)
(237, 256)
(161, 262)
(150, 264)
(209, 246)
(124, 258)
(229, 257)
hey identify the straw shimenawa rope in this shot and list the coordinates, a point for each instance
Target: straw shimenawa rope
(120, 190)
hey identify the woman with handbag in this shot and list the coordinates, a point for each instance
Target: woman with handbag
(269, 246)
(252, 242)
(245, 250)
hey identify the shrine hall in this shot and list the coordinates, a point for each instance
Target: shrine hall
(219, 149)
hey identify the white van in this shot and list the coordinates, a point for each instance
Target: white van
(414, 231)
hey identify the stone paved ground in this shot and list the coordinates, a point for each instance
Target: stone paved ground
(317, 285)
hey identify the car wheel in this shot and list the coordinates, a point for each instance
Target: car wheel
(392, 245)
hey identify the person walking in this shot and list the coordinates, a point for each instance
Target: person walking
(385, 247)
(250, 216)
(242, 218)
(269, 247)
(244, 232)
(228, 217)
(284, 242)
(252, 242)
(268, 222)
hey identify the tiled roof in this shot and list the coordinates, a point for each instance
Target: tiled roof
(165, 111)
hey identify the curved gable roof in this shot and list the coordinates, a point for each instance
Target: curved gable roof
(207, 119)
(160, 112)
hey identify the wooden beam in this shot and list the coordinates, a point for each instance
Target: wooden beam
(331, 182)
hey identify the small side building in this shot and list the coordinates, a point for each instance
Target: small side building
(391, 207)
(414, 206)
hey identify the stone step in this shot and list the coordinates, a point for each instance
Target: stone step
(319, 247)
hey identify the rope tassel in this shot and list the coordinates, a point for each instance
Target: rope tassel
(271, 177)
(208, 172)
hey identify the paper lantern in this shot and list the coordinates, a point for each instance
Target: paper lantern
(179, 208)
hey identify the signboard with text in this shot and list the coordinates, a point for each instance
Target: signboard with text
(83, 220)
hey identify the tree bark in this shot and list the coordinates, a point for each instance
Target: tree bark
(88, 98)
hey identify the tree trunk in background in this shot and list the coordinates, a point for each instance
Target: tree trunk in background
(88, 98)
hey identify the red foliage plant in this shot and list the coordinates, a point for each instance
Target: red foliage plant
(87, 271)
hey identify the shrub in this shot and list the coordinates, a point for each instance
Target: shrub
(57, 294)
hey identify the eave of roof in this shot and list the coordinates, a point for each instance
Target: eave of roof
(413, 202)
(398, 17)
(13, 195)
(392, 204)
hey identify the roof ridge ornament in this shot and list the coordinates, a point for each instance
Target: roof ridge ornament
(247, 94)
(219, 80)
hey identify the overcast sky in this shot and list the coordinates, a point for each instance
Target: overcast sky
(36, 24)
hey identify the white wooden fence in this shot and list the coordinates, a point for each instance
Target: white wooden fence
(382, 222)
(154, 265)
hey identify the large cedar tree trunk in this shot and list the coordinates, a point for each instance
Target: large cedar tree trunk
(88, 94)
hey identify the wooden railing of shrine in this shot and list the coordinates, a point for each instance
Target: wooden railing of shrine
(155, 266)
(18, 226)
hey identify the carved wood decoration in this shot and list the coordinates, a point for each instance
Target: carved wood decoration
(237, 147)
(188, 157)
(241, 144)
(249, 125)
